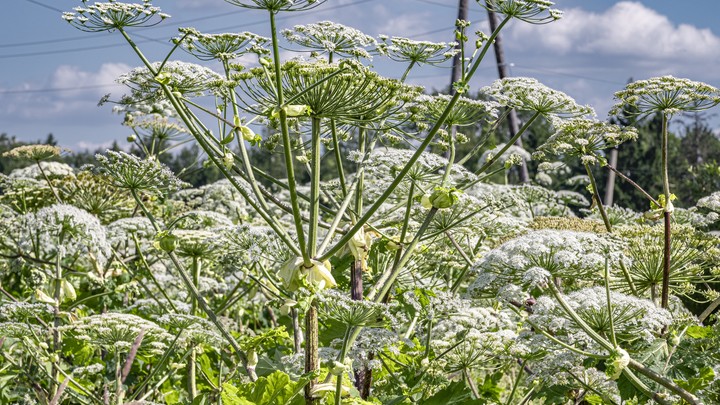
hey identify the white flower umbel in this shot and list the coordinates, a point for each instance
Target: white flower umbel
(332, 38)
(346, 91)
(465, 111)
(224, 46)
(527, 94)
(34, 152)
(186, 79)
(114, 15)
(275, 6)
(584, 139)
(53, 170)
(116, 332)
(711, 202)
(635, 320)
(421, 52)
(530, 11)
(533, 259)
(485, 334)
(138, 175)
(64, 230)
(667, 95)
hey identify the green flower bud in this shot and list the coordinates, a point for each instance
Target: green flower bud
(293, 272)
(165, 241)
(42, 297)
(252, 359)
(228, 160)
(68, 291)
(440, 198)
(131, 138)
(163, 78)
(297, 110)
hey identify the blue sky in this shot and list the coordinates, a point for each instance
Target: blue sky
(51, 75)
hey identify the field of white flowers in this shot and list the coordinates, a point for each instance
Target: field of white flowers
(380, 268)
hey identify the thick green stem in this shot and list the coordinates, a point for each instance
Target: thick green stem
(119, 394)
(312, 360)
(57, 338)
(665, 382)
(338, 158)
(407, 71)
(360, 174)
(191, 371)
(665, 293)
(287, 147)
(314, 187)
(579, 321)
(343, 353)
(451, 160)
(609, 303)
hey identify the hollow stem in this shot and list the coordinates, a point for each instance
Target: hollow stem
(314, 188)
(312, 360)
(665, 292)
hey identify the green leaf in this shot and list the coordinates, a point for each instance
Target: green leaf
(699, 332)
(229, 396)
(274, 389)
(207, 367)
(706, 375)
(455, 393)
(593, 399)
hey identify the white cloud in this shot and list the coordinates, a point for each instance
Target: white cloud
(626, 29)
(405, 25)
(98, 83)
(70, 95)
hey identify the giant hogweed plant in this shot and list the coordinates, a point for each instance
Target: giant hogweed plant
(408, 280)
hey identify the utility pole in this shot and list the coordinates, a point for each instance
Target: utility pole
(610, 185)
(457, 63)
(513, 121)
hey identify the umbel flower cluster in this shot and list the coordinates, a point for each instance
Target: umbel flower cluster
(364, 243)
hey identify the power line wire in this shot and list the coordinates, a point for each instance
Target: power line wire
(557, 73)
(37, 3)
(58, 89)
(164, 25)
